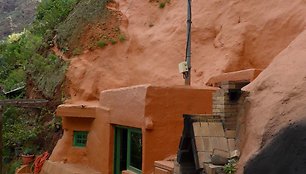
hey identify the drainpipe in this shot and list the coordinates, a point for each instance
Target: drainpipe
(187, 74)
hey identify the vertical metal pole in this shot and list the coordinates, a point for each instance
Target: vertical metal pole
(188, 45)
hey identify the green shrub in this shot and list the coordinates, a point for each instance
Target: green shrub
(112, 41)
(15, 77)
(162, 4)
(26, 56)
(13, 166)
(27, 151)
(102, 44)
(50, 13)
(85, 12)
(121, 38)
(230, 167)
(48, 73)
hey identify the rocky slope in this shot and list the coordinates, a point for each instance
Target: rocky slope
(15, 15)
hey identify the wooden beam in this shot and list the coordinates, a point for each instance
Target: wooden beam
(20, 102)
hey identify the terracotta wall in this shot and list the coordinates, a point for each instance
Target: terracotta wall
(165, 106)
(138, 107)
(120, 106)
(64, 151)
(156, 110)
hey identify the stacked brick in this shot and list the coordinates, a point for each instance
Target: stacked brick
(226, 103)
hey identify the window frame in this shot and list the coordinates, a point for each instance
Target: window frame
(117, 142)
(75, 134)
(129, 166)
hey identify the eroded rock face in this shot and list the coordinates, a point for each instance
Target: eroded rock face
(285, 154)
(277, 99)
(226, 36)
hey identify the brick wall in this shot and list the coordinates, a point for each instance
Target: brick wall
(226, 103)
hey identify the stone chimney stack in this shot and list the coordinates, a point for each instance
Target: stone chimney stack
(226, 103)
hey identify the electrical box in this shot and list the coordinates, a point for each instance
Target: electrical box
(183, 67)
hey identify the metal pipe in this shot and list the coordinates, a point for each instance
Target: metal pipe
(187, 75)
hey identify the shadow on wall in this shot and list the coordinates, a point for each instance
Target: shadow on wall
(286, 154)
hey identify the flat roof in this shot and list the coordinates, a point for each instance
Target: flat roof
(247, 75)
(79, 110)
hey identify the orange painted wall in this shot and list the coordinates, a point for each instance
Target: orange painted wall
(64, 151)
(120, 106)
(165, 106)
(156, 110)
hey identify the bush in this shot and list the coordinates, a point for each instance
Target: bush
(162, 5)
(50, 13)
(112, 41)
(18, 128)
(102, 44)
(47, 73)
(13, 166)
(15, 77)
(121, 38)
(25, 56)
(27, 151)
(85, 12)
(230, 167)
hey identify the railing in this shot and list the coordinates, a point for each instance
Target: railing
(21, 102)
(16, 87)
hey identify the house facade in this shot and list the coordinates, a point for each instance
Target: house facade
(126, 130)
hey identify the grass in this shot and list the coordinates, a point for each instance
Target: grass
(121, 38)
(102, 44)
(77, 51)
(84, 13)
(162, 5)
(112, 41)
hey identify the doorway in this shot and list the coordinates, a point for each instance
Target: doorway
(128, 150)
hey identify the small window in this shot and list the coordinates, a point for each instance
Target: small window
(80, 138)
